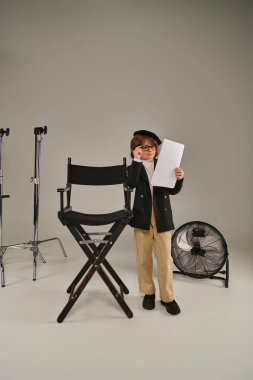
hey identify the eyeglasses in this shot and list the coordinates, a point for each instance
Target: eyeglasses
(146, 148)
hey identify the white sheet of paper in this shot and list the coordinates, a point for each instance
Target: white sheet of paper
(169, 159)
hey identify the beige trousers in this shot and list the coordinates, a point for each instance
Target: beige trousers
(145, 242)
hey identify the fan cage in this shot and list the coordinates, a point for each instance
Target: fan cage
(189, 227)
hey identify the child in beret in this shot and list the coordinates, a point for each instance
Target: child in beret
(152, 221)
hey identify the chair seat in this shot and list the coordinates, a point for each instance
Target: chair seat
(75, 217)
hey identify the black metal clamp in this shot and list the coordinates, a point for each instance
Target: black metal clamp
(4, 132)
(40, 130)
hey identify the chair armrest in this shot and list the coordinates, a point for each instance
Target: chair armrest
(126, 188)
(63, 189)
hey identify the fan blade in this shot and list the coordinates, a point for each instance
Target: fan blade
(182, 242)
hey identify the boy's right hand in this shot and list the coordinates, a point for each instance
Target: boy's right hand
(137, 152)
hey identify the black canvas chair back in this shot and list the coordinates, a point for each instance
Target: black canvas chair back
(96, 176)
(96, 249)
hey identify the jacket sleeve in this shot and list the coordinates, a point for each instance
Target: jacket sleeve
(134, 171)
(177, 188)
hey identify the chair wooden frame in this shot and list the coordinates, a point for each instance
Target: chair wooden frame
(95, 249)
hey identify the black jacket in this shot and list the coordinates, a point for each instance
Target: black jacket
(142, 207)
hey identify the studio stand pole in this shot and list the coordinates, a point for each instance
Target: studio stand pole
(33, 245)
(2, 248)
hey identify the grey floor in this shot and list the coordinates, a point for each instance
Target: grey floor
(211, 339)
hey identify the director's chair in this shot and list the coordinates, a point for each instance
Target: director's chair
(95, 249)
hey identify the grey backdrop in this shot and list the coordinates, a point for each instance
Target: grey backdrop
(95, 71)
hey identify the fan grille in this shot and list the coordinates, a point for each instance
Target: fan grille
(198, 249)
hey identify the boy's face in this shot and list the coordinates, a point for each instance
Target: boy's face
(148, 150)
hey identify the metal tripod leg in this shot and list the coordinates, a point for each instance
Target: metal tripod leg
(36, 253)
(32, 246)
(28, 245)
(2, 267)
(2, 276)
(59, 241)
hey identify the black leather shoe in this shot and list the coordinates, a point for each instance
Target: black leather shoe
(149, 302)
(171, 307)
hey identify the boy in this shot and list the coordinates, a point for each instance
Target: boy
(152, 221)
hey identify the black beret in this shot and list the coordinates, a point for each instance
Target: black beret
(149, 134)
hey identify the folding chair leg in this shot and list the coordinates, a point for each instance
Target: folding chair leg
(95, 267)
(115, 293)
(112, 272)
(106, 264)
(74, 297)
(92, 257)
(67, 308)
(79, 277)
(117, 296)
(116, 277)
(96, 256)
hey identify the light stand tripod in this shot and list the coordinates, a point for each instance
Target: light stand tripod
(33, 245)
(2, 248)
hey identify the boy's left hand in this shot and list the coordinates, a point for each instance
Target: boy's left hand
(179, 173)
